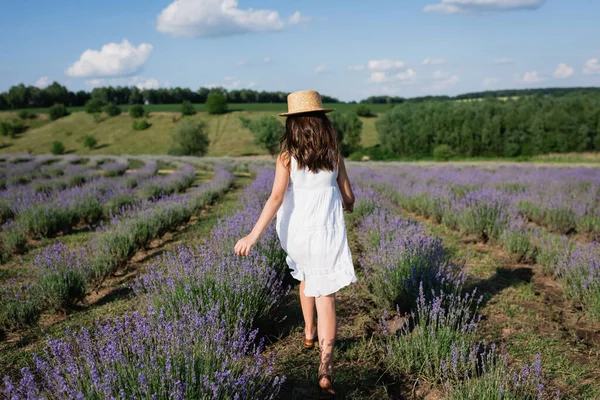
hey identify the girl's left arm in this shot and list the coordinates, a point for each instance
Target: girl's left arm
(282, 177)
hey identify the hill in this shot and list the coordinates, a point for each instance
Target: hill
(116, 136)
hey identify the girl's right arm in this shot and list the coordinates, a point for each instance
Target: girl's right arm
(345, 187)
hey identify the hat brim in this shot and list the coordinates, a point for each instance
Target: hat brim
(325, 110)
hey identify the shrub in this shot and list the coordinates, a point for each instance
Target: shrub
(267, 133)
(348, 128)
(24, 114)
(18, 310)
(140, 125)
(187, 108)
(443, 152)
(363, 111)
(136, 111)
(57, 148)
(216, 103)
(189, 139)
(112, 109)
(18, 126)
(93, 106)
(89, 141)
(57, 111)
(63, 280)
(6, 129)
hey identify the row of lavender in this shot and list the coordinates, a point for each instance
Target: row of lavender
(497, 215)
(433, 336)
(66, 275)
(45, 214)
(193, 338)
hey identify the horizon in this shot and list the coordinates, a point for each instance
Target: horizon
(425, 48)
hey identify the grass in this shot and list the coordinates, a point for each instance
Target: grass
(116, 135)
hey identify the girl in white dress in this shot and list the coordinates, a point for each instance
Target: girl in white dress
(310, 193)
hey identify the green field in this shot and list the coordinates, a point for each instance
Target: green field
(279, 107)
(115, 135)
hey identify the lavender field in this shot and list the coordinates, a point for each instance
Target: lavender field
(118, 280)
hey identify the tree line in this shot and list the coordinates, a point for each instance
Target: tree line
(21, 96)
(521, 127)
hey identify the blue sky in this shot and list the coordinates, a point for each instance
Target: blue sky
(347, 49)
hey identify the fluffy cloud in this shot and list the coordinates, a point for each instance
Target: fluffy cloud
(321, 69)
(114, 59)
(433, 61)
(356, 67)
(43, 82)
(407, 77)
(563, 71)
(212, 18)
(442, 81)
(531, 77)
(461, 6)
(298, 18)
(504, 61)
(487, 82)
(591, 67)
(137, 81)
(385, 65)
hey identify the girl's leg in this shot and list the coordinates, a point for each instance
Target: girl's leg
(308, 311)
(327, 331)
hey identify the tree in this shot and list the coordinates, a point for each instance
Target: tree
(443, 152)
(136, 111)
(140, 125)
(57, 148)
(57, 111)
(187, 108)
(267, 132)
(112, 110)
(189, 139)
(216, 103)
(363, 111)
(89, 141)
(93, 106)
(348, 128)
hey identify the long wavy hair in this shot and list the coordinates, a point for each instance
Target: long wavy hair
(311, 140)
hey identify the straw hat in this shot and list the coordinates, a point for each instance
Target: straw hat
(304, 102)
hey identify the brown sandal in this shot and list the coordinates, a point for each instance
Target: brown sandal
(326, 391)
(309, 343)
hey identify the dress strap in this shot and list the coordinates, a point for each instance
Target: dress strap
(294, 163)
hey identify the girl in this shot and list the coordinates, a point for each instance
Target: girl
(310, 193)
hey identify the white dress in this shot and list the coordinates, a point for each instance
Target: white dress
(312, 231)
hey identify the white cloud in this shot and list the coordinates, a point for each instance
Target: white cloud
(384, 65)
(488, 82)
(440, 75)
(250, 85)
(321, 69)
(114, 59)
(298, 18)
(433, 61)
(212, 18)
(504, 61)
(407, 77)
(137, 81)
(356, 67)
(143, 83)
(591, 67)
(265, 61)
(531, 77)
(461, 6)
(444, 83)
(230, 78)
(43, 82)
(563, 71)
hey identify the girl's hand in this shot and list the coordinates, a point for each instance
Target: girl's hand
(348, 208)
(244, 245)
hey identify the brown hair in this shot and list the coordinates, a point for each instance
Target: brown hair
(311, 140)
